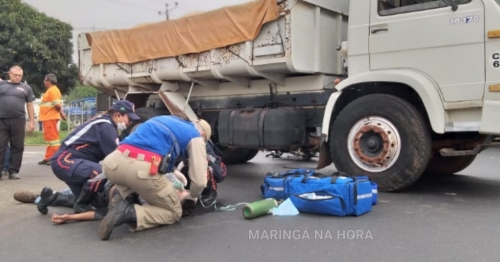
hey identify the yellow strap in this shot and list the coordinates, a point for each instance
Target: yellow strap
(50, 104)
(53, 143)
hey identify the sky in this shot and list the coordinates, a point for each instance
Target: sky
(89, 15)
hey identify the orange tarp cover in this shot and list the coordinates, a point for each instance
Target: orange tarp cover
(191, 34)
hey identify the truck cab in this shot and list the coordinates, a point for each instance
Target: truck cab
(422, 89)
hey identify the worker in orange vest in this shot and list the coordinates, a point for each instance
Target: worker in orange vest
(50, 114)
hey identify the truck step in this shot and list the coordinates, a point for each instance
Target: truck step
(475, 151)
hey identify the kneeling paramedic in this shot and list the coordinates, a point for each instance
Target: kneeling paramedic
(77, 160)
(137, 165)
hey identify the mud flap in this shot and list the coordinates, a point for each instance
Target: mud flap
(325, 156)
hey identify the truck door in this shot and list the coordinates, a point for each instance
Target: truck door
(491, 105)
(431, 37)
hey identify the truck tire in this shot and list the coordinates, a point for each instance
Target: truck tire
(250, 155)
(383, 137)
(439, 165)
(237, 156)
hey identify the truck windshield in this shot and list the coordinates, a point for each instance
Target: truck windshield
(498, 2)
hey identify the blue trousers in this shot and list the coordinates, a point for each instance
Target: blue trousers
(76, 173)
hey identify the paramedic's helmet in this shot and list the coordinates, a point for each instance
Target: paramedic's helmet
(206, 127)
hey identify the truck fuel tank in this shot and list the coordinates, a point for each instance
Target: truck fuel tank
(263, 128)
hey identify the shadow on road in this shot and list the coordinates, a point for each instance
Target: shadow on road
(465, 185)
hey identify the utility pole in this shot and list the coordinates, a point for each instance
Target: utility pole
(168, 10)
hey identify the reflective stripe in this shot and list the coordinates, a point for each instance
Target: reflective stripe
(364, 196)
(50, 104)
(53, 143)
(85, 130)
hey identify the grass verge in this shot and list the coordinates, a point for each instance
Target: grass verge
(35, 138)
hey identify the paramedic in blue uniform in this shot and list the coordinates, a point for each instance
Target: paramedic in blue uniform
(77, 160)
(134, 167)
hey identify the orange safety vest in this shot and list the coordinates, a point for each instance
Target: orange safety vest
(50, 99)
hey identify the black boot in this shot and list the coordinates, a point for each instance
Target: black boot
(84, 201)
(63, 200)
(120, 212)
(47, 198)
(133, 198)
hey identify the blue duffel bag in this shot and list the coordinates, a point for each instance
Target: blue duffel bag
(275, 184)
(320, 202)
(328, 195)
(374, 188)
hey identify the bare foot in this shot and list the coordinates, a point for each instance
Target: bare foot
(59, 219)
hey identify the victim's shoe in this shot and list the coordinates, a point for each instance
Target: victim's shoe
(25, 196)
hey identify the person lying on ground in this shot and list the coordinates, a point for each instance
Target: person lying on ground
(101, 209)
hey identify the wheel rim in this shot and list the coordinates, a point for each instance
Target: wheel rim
(374, 144)
(77, 122)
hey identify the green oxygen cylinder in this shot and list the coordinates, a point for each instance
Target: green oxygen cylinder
(259, 208)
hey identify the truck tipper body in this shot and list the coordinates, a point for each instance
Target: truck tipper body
(421, 80)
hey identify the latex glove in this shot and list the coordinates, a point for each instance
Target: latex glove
(180, 176)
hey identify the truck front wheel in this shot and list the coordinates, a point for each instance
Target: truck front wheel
(381, 136)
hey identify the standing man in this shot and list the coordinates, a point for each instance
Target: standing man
(136, 166)
(50, 114)
(15, 96)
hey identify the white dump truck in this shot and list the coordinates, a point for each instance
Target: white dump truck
(421, 80)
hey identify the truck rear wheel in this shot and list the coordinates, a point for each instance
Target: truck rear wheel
(381, 136)
(440, 165)
(237, 156)
(250, 155)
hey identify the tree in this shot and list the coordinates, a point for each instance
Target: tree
(38, 43)
(81, 91)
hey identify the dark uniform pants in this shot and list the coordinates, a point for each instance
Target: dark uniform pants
(76, 172)
(12, 130)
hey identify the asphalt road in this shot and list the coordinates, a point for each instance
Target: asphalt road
(441, 219)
